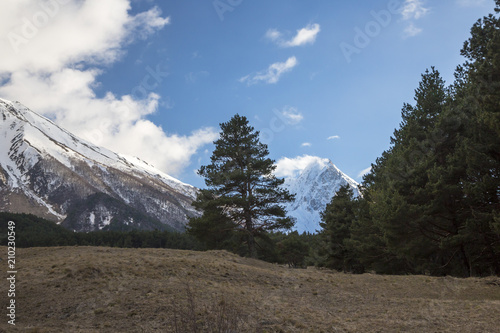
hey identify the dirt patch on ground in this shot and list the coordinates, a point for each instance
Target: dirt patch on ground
(89, 289)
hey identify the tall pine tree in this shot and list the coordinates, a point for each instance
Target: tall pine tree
(241, 184)
(402, 200)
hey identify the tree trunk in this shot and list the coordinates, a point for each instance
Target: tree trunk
(252, 252)
(467, 264)
(251, 246)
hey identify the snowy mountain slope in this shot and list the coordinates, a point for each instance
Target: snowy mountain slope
(314, 181)
(47, 171)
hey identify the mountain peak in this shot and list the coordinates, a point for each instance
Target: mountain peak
(314, 181)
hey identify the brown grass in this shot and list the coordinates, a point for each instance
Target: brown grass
(89, 289)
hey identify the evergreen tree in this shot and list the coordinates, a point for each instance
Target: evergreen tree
(477, 99)
(337, 219)
(241, 183)
(402, 199)
(214, 228)
(367, 241)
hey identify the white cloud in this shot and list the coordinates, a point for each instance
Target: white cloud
(51, 59)
(49, 38)
(306, 144)
(364, 172)
(291, 115)
(272, 74)
(413, 9)
(146, 23)
(286, 167)
(273, 34)
(333, 137)
(306, 35)
(411, 31)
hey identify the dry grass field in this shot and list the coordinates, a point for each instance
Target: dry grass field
(89, 289)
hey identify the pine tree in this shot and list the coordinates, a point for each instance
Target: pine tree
(214, 228)
(367, 242)
(477, 97)
(400, 190)
(242, 185)
(336, 221)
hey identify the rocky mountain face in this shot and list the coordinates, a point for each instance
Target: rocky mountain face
(314, 187)
(47, 171)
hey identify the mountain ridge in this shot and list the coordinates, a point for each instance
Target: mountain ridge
(46, 170)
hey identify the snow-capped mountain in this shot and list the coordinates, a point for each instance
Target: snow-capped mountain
(47, 171)
(314, 181)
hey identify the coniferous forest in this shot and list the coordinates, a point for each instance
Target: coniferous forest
(430, 205)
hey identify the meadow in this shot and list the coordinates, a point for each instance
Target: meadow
(96, 289)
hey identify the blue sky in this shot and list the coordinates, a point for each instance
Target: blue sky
(155, 78)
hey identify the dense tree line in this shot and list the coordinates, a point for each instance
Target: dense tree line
(431, 203)
(32, 231)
